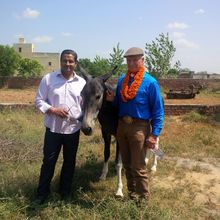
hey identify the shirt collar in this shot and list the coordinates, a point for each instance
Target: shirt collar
(75, 77)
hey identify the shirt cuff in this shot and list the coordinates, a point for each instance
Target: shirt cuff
(156, 132)
(44, 108)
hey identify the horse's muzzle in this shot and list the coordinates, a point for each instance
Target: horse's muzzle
(87, 130)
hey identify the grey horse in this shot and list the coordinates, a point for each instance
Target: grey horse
(96, 107)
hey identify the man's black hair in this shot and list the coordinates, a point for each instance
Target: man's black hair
(68, 51)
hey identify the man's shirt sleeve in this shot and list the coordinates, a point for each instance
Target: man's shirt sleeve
(156, 108)
(41, 96)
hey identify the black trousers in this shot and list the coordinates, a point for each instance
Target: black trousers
(52, 146)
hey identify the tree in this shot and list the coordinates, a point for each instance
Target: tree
(173, 73)
(86, 64)
(159, 55)
(117, 59)
(9, 61)
(100, 66)
(29, 68)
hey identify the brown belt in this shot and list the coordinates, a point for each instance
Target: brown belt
(129, 120)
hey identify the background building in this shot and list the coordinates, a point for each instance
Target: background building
(50, 61)
(205, 75)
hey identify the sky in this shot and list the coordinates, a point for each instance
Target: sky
(94, 27)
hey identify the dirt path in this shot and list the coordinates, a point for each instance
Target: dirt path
(200, 99)
(203, 176)
(17, 95)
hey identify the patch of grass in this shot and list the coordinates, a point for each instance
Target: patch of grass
(21, 139)
(216, 117)
(20, 134)
(206, 141)
(190, 139)
(197, 169)
(211, 92)
(195, 117)
(91, 200)
(183, 195)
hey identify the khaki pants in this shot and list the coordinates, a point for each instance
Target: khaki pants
(131, 138)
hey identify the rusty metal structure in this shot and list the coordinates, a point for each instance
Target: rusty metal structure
(187, 93)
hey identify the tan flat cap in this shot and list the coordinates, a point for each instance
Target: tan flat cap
(133, 51)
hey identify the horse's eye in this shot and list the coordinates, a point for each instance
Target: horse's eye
(97, 97)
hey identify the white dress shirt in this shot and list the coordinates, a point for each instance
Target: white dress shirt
(56, 91)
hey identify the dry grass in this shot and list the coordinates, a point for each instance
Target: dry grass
(177, 192)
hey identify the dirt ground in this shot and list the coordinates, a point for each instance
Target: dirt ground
(200, 99)
(28, 96)
(203, 176)
(17, 95)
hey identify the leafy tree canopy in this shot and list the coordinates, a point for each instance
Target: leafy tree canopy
(159, 55)
(117, 59)
(29, 68)
(9, 61)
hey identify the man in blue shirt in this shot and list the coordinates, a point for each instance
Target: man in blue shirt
(141, 115)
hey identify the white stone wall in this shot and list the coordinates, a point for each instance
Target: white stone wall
(24, 49)
(50, 61)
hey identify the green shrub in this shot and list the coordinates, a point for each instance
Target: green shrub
(216, 117)
(195, 117)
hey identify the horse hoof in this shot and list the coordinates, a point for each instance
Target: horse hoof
(119, 194)
(153, 170)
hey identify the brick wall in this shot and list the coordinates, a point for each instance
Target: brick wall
(19, 82)
(185, 83)
(16, 106)
(173, 109)
(170, 109)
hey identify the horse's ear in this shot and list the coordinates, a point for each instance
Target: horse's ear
(108, 75)
(82, 72)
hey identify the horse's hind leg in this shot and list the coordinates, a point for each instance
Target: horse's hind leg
(154, 167)
(107, 140)
(147, 157)
(119, 192)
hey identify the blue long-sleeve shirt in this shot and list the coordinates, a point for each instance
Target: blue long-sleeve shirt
(147, 104)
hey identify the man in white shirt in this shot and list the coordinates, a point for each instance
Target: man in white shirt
(58, 97)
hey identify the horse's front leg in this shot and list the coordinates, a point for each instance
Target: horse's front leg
(119, 192)
(154, 167)
(107, 141)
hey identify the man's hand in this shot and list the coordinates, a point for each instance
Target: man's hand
(58, 111)
(151, 141)
(109, 95)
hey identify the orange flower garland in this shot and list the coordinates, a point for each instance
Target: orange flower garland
(128, 93)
